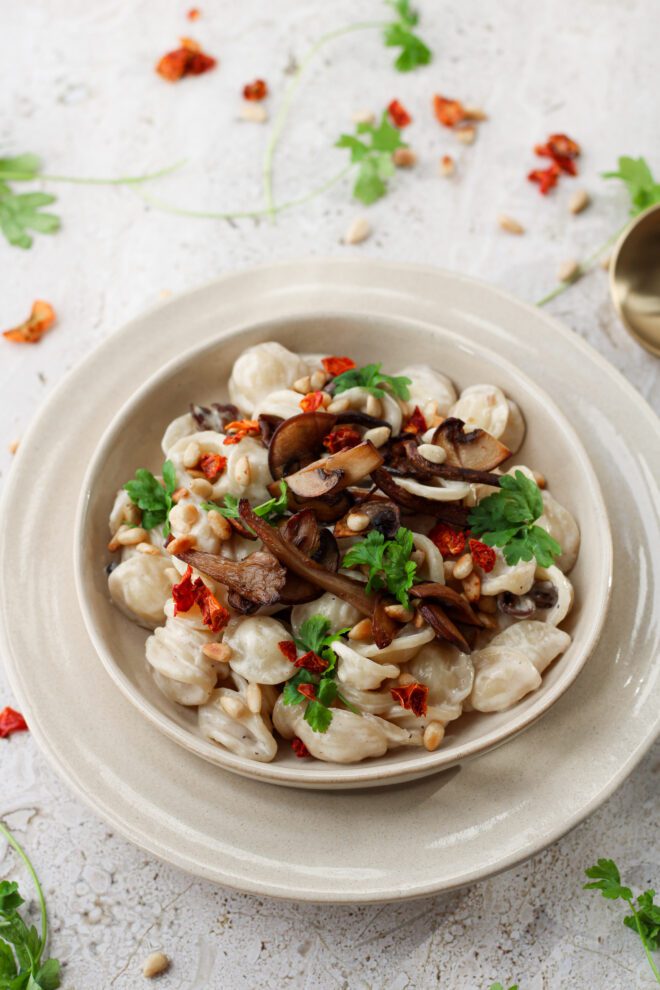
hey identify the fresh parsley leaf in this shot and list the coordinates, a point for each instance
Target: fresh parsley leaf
(498, 986)
(643, 189)
(20, 168)
(318, 716)
(506, 519)
(153, 498)
(314, 635)
(374, 157)
(648, 916)
(398, 34)
(388, 561)
(21, 212)
(373, 380)
(291, 695)
(271, 510)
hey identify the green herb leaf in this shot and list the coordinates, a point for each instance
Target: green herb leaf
(318, 716)
(643, 189)
(506, 519)
(373, 380)
(648, 917)
(314, 635)
(271, 510)
(374, 157)
(498, 986)
(398, 34)
(20, 167)
(291, 695)
(154, 499)
(388, 561)
(21, 212)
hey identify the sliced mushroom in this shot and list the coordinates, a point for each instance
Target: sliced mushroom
(268, 424)
(214, 417)
(383, 514)
(454, 515)
(451, 472)
(297, 442)
(357, 418)
(334, 473)
(327, 509)
(442, 625)
(474, 449)
(432, 591)
(259, 577)
(303, 532)
(315, 482)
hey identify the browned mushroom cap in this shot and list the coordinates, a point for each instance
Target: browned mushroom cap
(326, 509)
(334, 473)
(432, 591)
(383, 514)
(297, 441)
(476, 449)
(448, 512)
(425, 469)
(259, 577)
(268, 424)
(442, 625)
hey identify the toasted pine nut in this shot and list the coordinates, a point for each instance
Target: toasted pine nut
(357, 521)
(179, 521)
(463, 566)
(471, 586)
(155, 964)
(378, 435)
(220, 652)
(254, 113)
(418, 620)
(568, 271)
(361, 631)
(253, 698)
(149, 549)
(303, 385)
(180, 494)
(488, 603)
(317, 380)
(405, 679)
(466, 134)
(449, 569)
(338, 405)
(233, 706)
(114, 544)
(363, 117)
(220, 526)
(510, 225)
(130, 536)
(189, 513)
(579, 201)
(243, 472)
(179, 545)
(434, 733)
(374, 406)
(488, 621)
(399, 613)
(447, 166)
(13, 446)
(358, 231)
(201, 487)
(192, 454)
(475, 113)
(404, 158)
(432, 452)
(326, 399)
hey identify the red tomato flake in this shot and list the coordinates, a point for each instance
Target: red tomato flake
(449, 541)
(343, 438)
(11, 721)
(312, 662)
(563, 151)
(448, 112)
(398, 114)
(337, 365)
(212, 465)
(413, 697)
(299, 748)
(194, 14)
(257, 90)
(416, 422)
(546, 178)
(39, 321)
(483, 556)
(308, 690)
(288, 649)
(188, 60)
(312, 401)
(240, 428)
(183, 593)
(187, 593)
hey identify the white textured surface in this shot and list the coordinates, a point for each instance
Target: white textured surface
(87, 101)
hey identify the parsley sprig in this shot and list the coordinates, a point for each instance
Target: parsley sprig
(371, 149)
(152, 497)
(399, 34)
(498, 986)
(22, 947)
(506, 519)
(388, 561)
(315, 636)
(645, 917)
(643, 189)
(271, 510)
(371, 378)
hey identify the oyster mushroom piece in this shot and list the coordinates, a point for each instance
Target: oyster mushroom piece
(259, 577)
(442, 625)
(454, 515)
(334, 473)
(469, 448)
(448, 598)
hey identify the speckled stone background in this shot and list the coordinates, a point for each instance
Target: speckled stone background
(79, 89)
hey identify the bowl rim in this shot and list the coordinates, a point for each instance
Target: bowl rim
(365, 773)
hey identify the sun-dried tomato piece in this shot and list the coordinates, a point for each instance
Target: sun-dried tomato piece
(288, 649)
(194, 14)
(413, 697)
(39, 321)
(257, 90)
(299, 748)
(343, 438)
(483, 555)
(212, 465)
(546, 178)
(188, 60)
(308, 690)
(448, 112)
(200, 63)
(240, 428)
(187, 593)
(415, 422)
(183, 593)
(312, 401)
(563, 151)
(312, 662)
(11, 721)
(398, 114)
(337, 365)
(449, 541)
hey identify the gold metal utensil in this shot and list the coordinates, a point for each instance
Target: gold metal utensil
(635, 278)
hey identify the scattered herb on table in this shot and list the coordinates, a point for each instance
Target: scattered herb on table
(21, 947)
(399, 34)
(152, 497)
(388, 561)
(41, 319)
(371, 378)
(498, 986)
(371, 149)
(315, 682)
(507, 519)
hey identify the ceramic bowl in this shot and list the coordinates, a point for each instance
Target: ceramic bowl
(132, 440)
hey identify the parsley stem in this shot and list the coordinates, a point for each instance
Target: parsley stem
(37, 886)
(125, 180)
(287, 99)
(586, 266)
(640, 932)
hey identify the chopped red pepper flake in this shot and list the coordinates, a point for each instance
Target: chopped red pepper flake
(212, 465)
(398, 114)
(449, 541)
(183, 593)
(483, 555)
(448, 112)
(257, 90)
(416, 422)
(194, 14)
(11, 721)
(343, 438)
(240, 428)
(312, 662)
(32, 330)
(308, 690)
(413, 697)
(187, 593)
(288, 649)
(563, 151)
(312, 401)
(188, 60)
(337, 365)
(299, 748)
(546, 178)
(559, 146)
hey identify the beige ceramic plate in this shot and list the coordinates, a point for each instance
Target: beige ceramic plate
(396, 842)
(133, 440)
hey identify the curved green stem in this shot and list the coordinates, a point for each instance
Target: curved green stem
(125, 180)
(35, 880)
(586, 266)
(652, 964)
(287, 99)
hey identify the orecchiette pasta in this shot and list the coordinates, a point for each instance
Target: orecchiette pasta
(359, 671)
(245, 734)
(182, 426)
(487, 407)
(427, 386)
(255, 654)
(176, 652)
(262, 369)
(516, 578)
(285, 403)
(140, 586)
(340, 614)
(558, 612)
